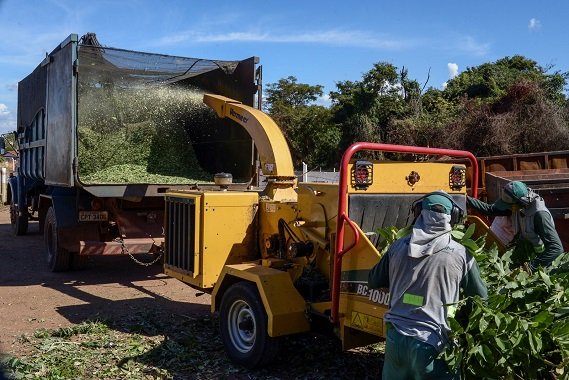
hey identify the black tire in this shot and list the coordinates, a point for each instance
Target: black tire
(243, 326)
(19, 222)
(58, 259)
(79, 261)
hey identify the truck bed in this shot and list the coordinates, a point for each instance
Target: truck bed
(551, 184)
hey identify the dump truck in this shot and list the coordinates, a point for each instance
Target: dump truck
(295, 256)
(102, 133)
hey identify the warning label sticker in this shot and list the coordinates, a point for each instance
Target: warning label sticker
(366, 322)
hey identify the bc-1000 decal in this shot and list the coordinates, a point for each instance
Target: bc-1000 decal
(380, 296)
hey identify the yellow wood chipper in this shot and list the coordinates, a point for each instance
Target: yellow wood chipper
(282, 260)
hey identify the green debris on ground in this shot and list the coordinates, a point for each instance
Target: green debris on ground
(159, 345)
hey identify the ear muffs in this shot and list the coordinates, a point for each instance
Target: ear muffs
(456, 213)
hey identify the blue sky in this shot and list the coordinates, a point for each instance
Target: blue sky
(317, 42)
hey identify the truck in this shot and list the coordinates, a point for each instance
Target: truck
(102, 133)
(296, 256)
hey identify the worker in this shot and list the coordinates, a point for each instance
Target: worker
(532, 225)
(424, 273)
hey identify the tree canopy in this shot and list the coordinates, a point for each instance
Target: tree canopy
(512, 105)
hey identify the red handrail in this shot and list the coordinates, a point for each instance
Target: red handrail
(343, 191)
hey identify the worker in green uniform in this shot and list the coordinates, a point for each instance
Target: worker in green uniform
(535, 236)
(424, 273)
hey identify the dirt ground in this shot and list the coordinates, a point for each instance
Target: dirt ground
(32, 297)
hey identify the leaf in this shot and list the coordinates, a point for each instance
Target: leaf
(543, 317)
(500, 343)
(511, 285)
(497, 320)
(457, 235)
(562, 311)
(482, 325)
(518, 294)
(470, 245)
(469, 231)
(545, 278)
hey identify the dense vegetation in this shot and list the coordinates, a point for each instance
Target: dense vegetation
(522, 330)
(513, 105)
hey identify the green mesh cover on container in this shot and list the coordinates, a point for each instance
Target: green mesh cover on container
(136, 115)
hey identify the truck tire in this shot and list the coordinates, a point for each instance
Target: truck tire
(58, 258)
(19, 222)
(243, 327)
(78, 261)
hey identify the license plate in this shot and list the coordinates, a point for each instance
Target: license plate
(93, 216)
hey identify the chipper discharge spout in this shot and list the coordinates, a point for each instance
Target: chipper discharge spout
(276, 161)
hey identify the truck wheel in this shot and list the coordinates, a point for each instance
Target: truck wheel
(19, 222)
(58, 259)
(78, 261)
(243, 325)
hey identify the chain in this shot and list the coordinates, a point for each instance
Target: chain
(124, 250)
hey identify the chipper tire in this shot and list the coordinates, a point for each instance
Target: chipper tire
(243, 326)
(19, 222)
(58, 258)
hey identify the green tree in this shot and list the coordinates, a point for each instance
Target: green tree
(365, 108)
(509, 106)
(491, 80)
(308, 128)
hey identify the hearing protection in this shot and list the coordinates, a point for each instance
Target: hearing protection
(456, 213)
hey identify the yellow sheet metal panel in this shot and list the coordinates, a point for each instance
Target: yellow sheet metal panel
(230, 198)
(363, 256)
(361, 308)
(228, 233)
(360, 312)
(186, 277)
(273, 149)
(483, 229)
(285, 307)
(318, 206)
(408, 178)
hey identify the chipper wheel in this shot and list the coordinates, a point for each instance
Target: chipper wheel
(243, 325)
(58, 259)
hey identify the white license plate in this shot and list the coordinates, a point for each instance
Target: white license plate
(93, 216)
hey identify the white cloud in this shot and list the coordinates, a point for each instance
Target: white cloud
(534, 24)
(7, 119)
(324, 100)
(452, 70)
(470, 45)
(327, 37)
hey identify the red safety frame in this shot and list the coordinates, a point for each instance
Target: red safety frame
(343, 218)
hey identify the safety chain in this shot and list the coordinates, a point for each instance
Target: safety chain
(124, 250)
